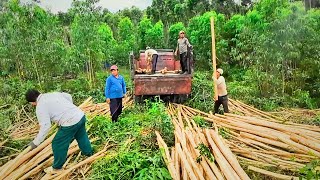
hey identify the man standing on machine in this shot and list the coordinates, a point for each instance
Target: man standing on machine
(182, 47)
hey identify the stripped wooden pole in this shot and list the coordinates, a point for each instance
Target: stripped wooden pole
(214, 57)
(186, 163)
(225, 167)
(229, 156)
(271, 174)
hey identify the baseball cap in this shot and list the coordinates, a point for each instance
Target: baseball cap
(113, 67)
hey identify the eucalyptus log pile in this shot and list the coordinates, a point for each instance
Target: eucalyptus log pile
(25, 127)
(32, 164)
(198, 153)
(262, 140)
(299, 115)
(92, 109)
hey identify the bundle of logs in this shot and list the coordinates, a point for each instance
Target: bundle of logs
(26, 125)
(261, 140)
(198, 153)
(32, 164)
(92, 109)
(162, 71)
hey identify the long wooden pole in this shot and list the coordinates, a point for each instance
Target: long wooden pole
(214, 62)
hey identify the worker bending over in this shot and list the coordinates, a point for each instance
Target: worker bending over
(222, 92)
(151, 56)
(59, 108)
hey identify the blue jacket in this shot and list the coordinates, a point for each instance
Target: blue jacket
(115, 87)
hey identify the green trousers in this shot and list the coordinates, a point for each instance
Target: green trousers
(63, 139)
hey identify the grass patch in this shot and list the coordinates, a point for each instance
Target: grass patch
(136, 155)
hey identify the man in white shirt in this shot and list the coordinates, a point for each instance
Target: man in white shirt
(59, 108)
(222, 92)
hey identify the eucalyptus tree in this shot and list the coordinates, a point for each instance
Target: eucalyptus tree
(199, 33)
(144, 25)
(31, 43)
(88, 46)
(126, 41)
(155, 36)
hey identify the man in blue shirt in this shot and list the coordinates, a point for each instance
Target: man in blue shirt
(115, 90)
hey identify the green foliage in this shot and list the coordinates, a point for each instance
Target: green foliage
(112, 20)
(204, 151)
(202, 92)
(125, 27)
(270, 52)
(201, 122)
(200, 37)
(131, 165)
(224, 132)
(174, 33)
(316, 120)
(310, 171)
(144, 25)
(35, 34)
(134, 13)
(12, 98)
(137, 155)
(126, 41)
(154, 36)
(270, 9)
(106, 35)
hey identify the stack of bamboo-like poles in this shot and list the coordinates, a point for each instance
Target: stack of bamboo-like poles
(241, 108)
(217, 163)
(77, 169)
(100, 109)
(24, 130)
(264, 141)
(298, 115)
(25, 127)
(31, 164)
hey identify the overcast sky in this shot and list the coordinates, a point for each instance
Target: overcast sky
(113, 5)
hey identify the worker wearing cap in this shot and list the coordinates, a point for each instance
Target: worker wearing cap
(222, 92)
(115, 90)
(151, 56)
(59, 108)
(182, 48)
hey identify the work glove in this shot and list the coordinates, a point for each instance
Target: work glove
(32, 145)
(108, 100)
